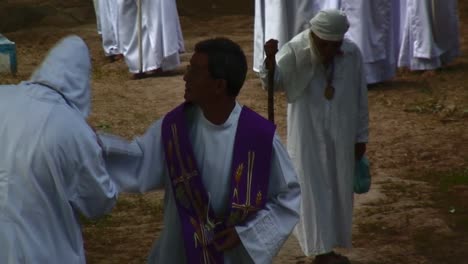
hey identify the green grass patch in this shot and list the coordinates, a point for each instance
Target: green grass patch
(104, 126)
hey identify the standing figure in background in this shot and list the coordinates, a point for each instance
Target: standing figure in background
(374, 27)
(323, 77)
(282, 20)
(109, 19)
(430, 34)
(161, 36)
(51, 166)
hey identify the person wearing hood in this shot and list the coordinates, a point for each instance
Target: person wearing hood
(323, 77)
(51, 169)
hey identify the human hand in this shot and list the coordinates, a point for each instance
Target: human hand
(359, 150)
(271, 48)
(226, 239)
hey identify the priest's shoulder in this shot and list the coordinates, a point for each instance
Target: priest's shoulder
(257, 120)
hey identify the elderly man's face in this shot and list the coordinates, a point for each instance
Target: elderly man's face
(327, 49)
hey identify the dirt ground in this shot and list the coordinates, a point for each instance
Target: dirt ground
(417, 209)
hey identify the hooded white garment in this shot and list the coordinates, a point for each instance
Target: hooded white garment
(51, 167)
(430, 34)
(162, 39)
(282, 20)
(374, 27)
(140, 166)
(108, 17)
(321, 138)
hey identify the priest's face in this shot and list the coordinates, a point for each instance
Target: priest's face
(327, 49)
(200, 86)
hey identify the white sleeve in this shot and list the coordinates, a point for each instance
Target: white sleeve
(136, 166)
(263, 235)
(96, 193)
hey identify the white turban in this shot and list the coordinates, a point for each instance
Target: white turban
(329, 24)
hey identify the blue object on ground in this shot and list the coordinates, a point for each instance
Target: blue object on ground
(7, 55)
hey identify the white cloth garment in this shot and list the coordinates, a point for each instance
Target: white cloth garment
(162, 39)
(430, 34)
(51, 167)
(329, 24)
(140, 166)
(98, 18)
(108, 14)
(282, 20)
(374, 27)
(321, 138)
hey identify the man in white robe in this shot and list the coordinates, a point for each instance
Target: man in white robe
(108, 17)
(282, 20)
(374, 27)
(322, 75)
(213, 118)
(51, 168)
(430, 34)
(161, 36)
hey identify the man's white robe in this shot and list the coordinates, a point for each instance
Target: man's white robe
(282, 20)
(140, 166)
(374, 27)
(51, 167)
(321, 138)
(108, 17)
(430, 34)
(161, 33)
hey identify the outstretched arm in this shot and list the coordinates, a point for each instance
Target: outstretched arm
(136, 166)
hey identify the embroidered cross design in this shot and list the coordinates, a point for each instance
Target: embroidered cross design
(185, 175)
(247, 207)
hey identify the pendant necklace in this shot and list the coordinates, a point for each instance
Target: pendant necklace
(329, 89)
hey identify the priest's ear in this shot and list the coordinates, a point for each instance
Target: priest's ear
(221, 87)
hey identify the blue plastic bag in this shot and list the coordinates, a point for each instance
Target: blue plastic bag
(362, 177)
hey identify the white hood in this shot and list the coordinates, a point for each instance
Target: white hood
(67, 70)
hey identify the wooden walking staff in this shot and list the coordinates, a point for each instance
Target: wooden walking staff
(271, 48)
(271, 101)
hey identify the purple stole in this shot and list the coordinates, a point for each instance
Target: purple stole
(250, 173)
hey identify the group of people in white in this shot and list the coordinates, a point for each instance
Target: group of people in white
(417, 34)
(233, 192)
(147, 34)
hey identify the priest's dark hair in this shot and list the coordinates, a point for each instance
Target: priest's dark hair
(226, 60)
